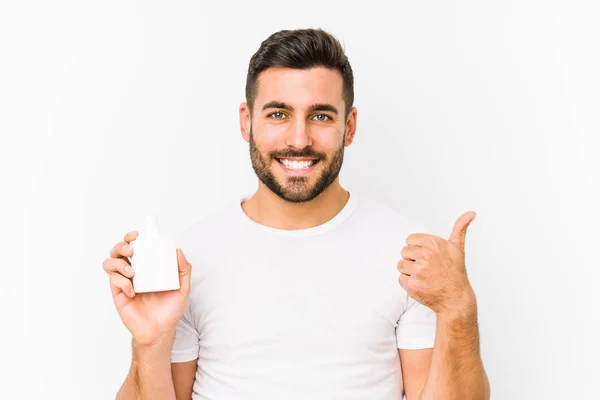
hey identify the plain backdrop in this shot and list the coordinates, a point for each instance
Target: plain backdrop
(111, 110)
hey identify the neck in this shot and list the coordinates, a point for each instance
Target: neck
(266, 208)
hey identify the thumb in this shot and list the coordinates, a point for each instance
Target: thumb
(459, 232)
(185, 272)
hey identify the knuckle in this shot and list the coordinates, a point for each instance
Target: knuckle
(108, 265)
(123, 268)
(426, 254)
(113, 280)
(418, 271)
(125, 249)
(114, 252)
(119, 281)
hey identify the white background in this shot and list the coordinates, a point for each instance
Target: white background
(110, 110)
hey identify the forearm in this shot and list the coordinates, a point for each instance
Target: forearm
(150, 376)
(456, 370)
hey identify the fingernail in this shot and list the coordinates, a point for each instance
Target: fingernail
(129, 270)
(126, 248)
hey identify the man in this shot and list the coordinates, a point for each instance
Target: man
(294, 293)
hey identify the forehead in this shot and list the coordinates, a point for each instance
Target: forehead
(300, 87)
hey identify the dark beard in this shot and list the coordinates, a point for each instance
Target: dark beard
(296, 189)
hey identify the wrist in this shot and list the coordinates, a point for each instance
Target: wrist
(164, 341)
(463, 310)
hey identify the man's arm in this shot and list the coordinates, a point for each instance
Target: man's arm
(184, 376)
(150, 373)
(415, 368)
(456, 370)
(433, 272)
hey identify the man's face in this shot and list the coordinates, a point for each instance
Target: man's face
(298, 131)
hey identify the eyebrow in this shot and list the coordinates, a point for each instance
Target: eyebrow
(314, 107)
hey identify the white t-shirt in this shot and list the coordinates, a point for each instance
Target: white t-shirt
(314, 313)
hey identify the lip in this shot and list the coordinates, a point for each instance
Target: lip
(298, 172)
(297, 158)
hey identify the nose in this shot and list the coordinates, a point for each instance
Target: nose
(298, 135)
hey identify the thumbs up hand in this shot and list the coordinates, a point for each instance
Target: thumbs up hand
(433, 270)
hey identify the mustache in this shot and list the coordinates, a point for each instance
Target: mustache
(309, 153)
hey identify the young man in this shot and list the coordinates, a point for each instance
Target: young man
(296, 292)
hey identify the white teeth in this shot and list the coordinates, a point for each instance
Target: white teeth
(297, 164)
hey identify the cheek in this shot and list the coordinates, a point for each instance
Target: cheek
(270, 138)
(329, 137)
(328, 143)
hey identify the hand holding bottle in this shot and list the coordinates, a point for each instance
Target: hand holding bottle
(146, 315)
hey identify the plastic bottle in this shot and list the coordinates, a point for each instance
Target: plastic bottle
(154, 260)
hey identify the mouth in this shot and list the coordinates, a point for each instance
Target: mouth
(297, 166)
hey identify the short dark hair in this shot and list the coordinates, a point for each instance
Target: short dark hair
(301, 49)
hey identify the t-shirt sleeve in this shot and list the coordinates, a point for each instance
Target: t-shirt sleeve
(416, 326)
(187, 339)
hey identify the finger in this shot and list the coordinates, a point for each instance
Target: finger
(411, 252)
(459, 231)
(131, 236)
(403, 280)
(120, 284)
(418, 239)
(406, 267)
(185, 272)
(117, 265)
(121, 250)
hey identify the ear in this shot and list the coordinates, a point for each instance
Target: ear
(245, 121)
(350, 126)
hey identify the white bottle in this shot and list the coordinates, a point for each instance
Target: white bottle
(154, 260)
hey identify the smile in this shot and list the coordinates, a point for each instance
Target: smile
(295, 164)
(301, 166)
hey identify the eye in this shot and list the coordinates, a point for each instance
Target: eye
(322, 117)
(276, 115)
